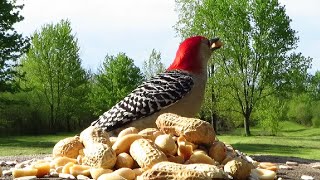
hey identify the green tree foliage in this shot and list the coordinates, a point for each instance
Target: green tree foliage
(12, 44)
(300, 109)
(257, 59)
(53, 71)
(153, 65)
(117, 77)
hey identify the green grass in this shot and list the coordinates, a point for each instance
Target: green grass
(293, 140)
(28, 145)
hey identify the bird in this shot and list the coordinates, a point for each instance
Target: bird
(180, 90)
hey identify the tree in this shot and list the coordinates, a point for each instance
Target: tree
(117, 77)
(257, 59)
(153, 65)
(12, 44)
(53, 70)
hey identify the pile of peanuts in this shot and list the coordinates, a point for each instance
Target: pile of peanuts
(179, 148)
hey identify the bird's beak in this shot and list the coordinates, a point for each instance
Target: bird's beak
(215, 43)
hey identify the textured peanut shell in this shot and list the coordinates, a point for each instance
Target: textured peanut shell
(68, 147)
(99, 155)
(176, 175)
(238, 168)
(146, 154)
(94, 134)
(195, 130)
(208, 170)
(150, 133)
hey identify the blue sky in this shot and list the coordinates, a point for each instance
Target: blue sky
(136, 27)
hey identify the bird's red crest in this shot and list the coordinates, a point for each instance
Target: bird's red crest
(187, 57)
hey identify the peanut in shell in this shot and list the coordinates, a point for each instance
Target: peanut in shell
(99, 155)
(68, 147)
(146, 154)
(195, 130)
(94, 134)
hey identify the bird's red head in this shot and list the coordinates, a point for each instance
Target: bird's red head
(193, 54)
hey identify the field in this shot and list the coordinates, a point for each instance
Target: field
(293, 141)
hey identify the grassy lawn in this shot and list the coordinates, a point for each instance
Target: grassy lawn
(27, 145)
(293, 140)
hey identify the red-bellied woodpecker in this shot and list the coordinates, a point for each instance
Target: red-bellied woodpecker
(179, 90)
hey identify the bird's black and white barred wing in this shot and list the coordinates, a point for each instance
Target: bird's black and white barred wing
(151, 96)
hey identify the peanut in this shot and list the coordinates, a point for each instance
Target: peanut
(68, 147)
(61, 161)
(166, 144)
(111, 176)
(76, 170)
(195, 130)
(43, 168)
(182, 140)
(238, 168)
(218, 151)
(96, 172)
(123, 144)
(268, 165)
(24, 172)
(263, 174)
(139, 171)
(166, 170)
(66, 168)
(127, 173)
(185, 151)
(176, 159)
(124, 160)
(210, 171)
(99, 155)
(94, 135)
(150, 133)
(129, 130)
(113, 140)
(199, 157)
(145, 153)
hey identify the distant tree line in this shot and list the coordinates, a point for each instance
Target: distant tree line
(256, 79)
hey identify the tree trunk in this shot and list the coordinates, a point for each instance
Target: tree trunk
(214, 122)
(51, 117)
(247, 124)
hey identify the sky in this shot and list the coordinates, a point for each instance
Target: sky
(136, 27)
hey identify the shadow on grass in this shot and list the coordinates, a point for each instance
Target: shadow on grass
(18, 143)
(268, 149)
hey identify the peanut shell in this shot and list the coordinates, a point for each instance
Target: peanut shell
(195, 130)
